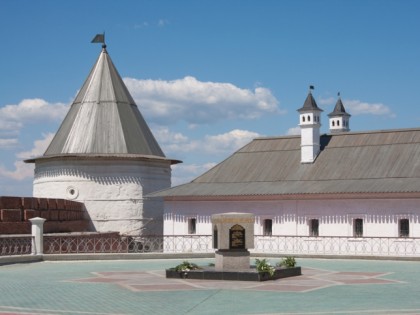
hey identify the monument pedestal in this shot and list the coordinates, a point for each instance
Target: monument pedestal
(228, 259)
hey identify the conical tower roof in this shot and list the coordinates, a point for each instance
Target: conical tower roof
(104, 120)
(339, 109)
(309, 104)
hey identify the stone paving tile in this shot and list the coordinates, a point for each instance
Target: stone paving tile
(139, 287)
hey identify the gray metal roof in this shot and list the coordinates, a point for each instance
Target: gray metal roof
(363, 162)
(104, 119)
(339, 109)
(309, 104)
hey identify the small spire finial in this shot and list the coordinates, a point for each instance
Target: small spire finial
(311, 87)
(338, 94)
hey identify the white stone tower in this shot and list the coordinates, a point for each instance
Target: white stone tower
(310, 124)
(339, 118)
(105, 155)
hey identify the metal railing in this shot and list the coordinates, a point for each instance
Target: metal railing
(126, 244)
(337, 245)
(15, 245)
(283, 245)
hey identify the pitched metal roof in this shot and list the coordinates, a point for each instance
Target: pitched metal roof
(309, 104)
(363, 162)
(104, 119)
(339, 109)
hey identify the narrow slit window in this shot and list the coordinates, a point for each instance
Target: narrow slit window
(268, 227)
(192, 226)
(404, 228)
(358, 228)
(314, 227)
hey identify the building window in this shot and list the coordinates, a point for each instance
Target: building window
(338, 123)
(333, 123)
(303, 118)
(358, 228)
(314, 227)
(268, 227)
(192, 224)
(309, 118)
(404, 228)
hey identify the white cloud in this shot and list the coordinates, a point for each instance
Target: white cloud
(222, 144)
(23, 170)
(184, 173)
(40, 146)
(228, 142)
(327, 101)
(163, 22)
(356, 107)
(13, 117)
(293, 131)
(8, 143)
(199, 102)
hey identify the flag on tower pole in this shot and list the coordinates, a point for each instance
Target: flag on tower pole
(99, 38)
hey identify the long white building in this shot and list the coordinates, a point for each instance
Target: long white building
(348, 184)
(105, 156)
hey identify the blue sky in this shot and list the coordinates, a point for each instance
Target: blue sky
(207, 75)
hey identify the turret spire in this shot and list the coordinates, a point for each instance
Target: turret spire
(310, 124)
(339, 118)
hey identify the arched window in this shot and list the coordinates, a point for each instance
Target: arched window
(303, 118)
(309, 118)
(333, 123)
(338, 123)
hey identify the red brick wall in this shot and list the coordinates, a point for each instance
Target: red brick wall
(61, 215)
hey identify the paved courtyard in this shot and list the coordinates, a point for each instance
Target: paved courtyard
(140, 287)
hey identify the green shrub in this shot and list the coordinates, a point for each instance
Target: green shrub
(264, 266)
(186, 266)
(288, 262)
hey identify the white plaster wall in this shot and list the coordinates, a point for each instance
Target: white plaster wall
(112, 191)
(291, 217)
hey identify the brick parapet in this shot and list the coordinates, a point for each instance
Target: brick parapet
(61, 215)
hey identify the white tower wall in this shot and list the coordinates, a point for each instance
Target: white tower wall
(112, 191)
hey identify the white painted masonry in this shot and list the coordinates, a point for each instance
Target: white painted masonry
(111, 189)
(291, 217)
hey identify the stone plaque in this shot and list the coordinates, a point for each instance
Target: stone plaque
(237, 237)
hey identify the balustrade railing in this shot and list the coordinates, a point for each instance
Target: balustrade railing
(126, 244)
(337, 245)
(15, 245)
(283, 245)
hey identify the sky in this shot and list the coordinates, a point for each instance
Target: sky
(209, 75)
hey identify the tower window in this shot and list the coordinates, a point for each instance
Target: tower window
(303, 118)
(268, 227)
(404, 228)
(309, 118)
(358, 228)
(192, 226)
(333, 123)
(338, 123)
(314, 227)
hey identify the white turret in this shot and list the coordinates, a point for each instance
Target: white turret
(310, 124)
(105, 156)
(339, 118)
